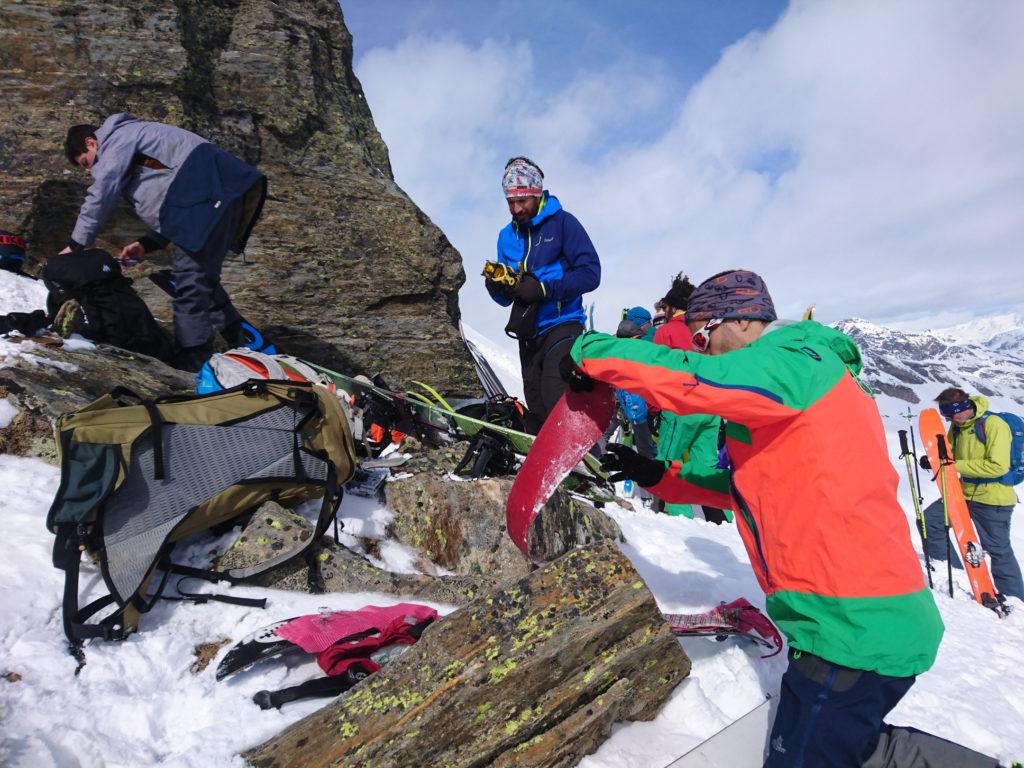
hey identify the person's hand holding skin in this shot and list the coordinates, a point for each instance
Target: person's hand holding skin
(570, 372)
(626, 464)
(132, 254)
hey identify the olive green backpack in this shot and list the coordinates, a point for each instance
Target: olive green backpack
(139, 475)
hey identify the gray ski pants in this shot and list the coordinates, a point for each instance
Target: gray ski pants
(910, 748)
(201, 304)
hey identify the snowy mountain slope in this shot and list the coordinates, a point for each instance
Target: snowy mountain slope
(504, 359)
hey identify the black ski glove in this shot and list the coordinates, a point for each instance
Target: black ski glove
(496, 288)
(627, 464)
(925, 464)
(714, 515)
(528, 290)
(571, 373)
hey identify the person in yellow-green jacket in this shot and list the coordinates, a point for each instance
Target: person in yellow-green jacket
(981, 447)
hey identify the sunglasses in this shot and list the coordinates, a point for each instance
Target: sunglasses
(702, 337)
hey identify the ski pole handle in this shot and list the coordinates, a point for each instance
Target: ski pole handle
(943, 455)
(904, 448)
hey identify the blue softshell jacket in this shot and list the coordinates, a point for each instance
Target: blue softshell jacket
(556, 249)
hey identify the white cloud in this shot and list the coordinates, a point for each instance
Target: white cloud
(865, 156)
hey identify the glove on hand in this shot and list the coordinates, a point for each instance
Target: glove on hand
(497, 289)
(571, 373)
(627, 464)
(528, 290)
(714, 515)
(925, 464)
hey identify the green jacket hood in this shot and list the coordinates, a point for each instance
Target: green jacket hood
(790, 333)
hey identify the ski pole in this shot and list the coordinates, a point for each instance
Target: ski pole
(943, 462)
(917, 469)
(922, 526)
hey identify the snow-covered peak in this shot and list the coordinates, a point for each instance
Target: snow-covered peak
(983, 329)
(913, 367)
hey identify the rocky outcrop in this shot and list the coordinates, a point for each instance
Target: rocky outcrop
(460, 524)
(274, 528)
(534, 674)
(343, 268)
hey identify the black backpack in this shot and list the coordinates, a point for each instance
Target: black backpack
(112, 312)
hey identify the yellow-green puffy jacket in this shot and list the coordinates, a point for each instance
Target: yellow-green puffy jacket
(989, 459)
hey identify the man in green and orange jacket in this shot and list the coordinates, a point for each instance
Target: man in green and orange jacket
(815, 500)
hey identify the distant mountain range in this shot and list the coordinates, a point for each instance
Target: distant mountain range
(985, 356)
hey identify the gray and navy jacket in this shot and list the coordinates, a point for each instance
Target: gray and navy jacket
(554, 247)
(178, 183)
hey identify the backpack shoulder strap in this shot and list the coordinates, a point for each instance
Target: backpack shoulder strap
(67, 557)
(979, 427)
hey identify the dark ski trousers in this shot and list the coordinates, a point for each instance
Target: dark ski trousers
(993, 526)
(830, 715)
(200, 303)
(542, 383)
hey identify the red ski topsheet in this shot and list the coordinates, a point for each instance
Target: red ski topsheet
(577, 422)
(932, 431)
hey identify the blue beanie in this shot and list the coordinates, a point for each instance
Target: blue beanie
(638, 315)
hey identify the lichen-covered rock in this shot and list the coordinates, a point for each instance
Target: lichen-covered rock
(460, 524)
(273, 528)
(533, 674)
(343, 268)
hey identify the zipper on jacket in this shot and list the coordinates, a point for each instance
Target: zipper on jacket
(744, 510)
(529, 245)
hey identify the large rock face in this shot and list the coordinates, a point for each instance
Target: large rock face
(343, 268)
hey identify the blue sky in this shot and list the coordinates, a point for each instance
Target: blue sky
(862, 156)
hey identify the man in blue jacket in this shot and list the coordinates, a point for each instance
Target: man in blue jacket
(549, 250)
(188, 192)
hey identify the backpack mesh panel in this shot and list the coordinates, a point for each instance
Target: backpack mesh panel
(142, 513)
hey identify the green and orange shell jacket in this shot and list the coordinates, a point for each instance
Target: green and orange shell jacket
(982, 460)
(811, 483)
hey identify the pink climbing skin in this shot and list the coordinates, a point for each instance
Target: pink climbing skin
(577, 422)
(319, 631)
(737, 617)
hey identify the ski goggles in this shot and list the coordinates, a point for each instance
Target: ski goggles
(949, 410)
(702, 337)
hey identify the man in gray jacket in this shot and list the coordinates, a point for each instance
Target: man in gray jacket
(188, 192)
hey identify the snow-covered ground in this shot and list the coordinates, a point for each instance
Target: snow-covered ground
(138, 703)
